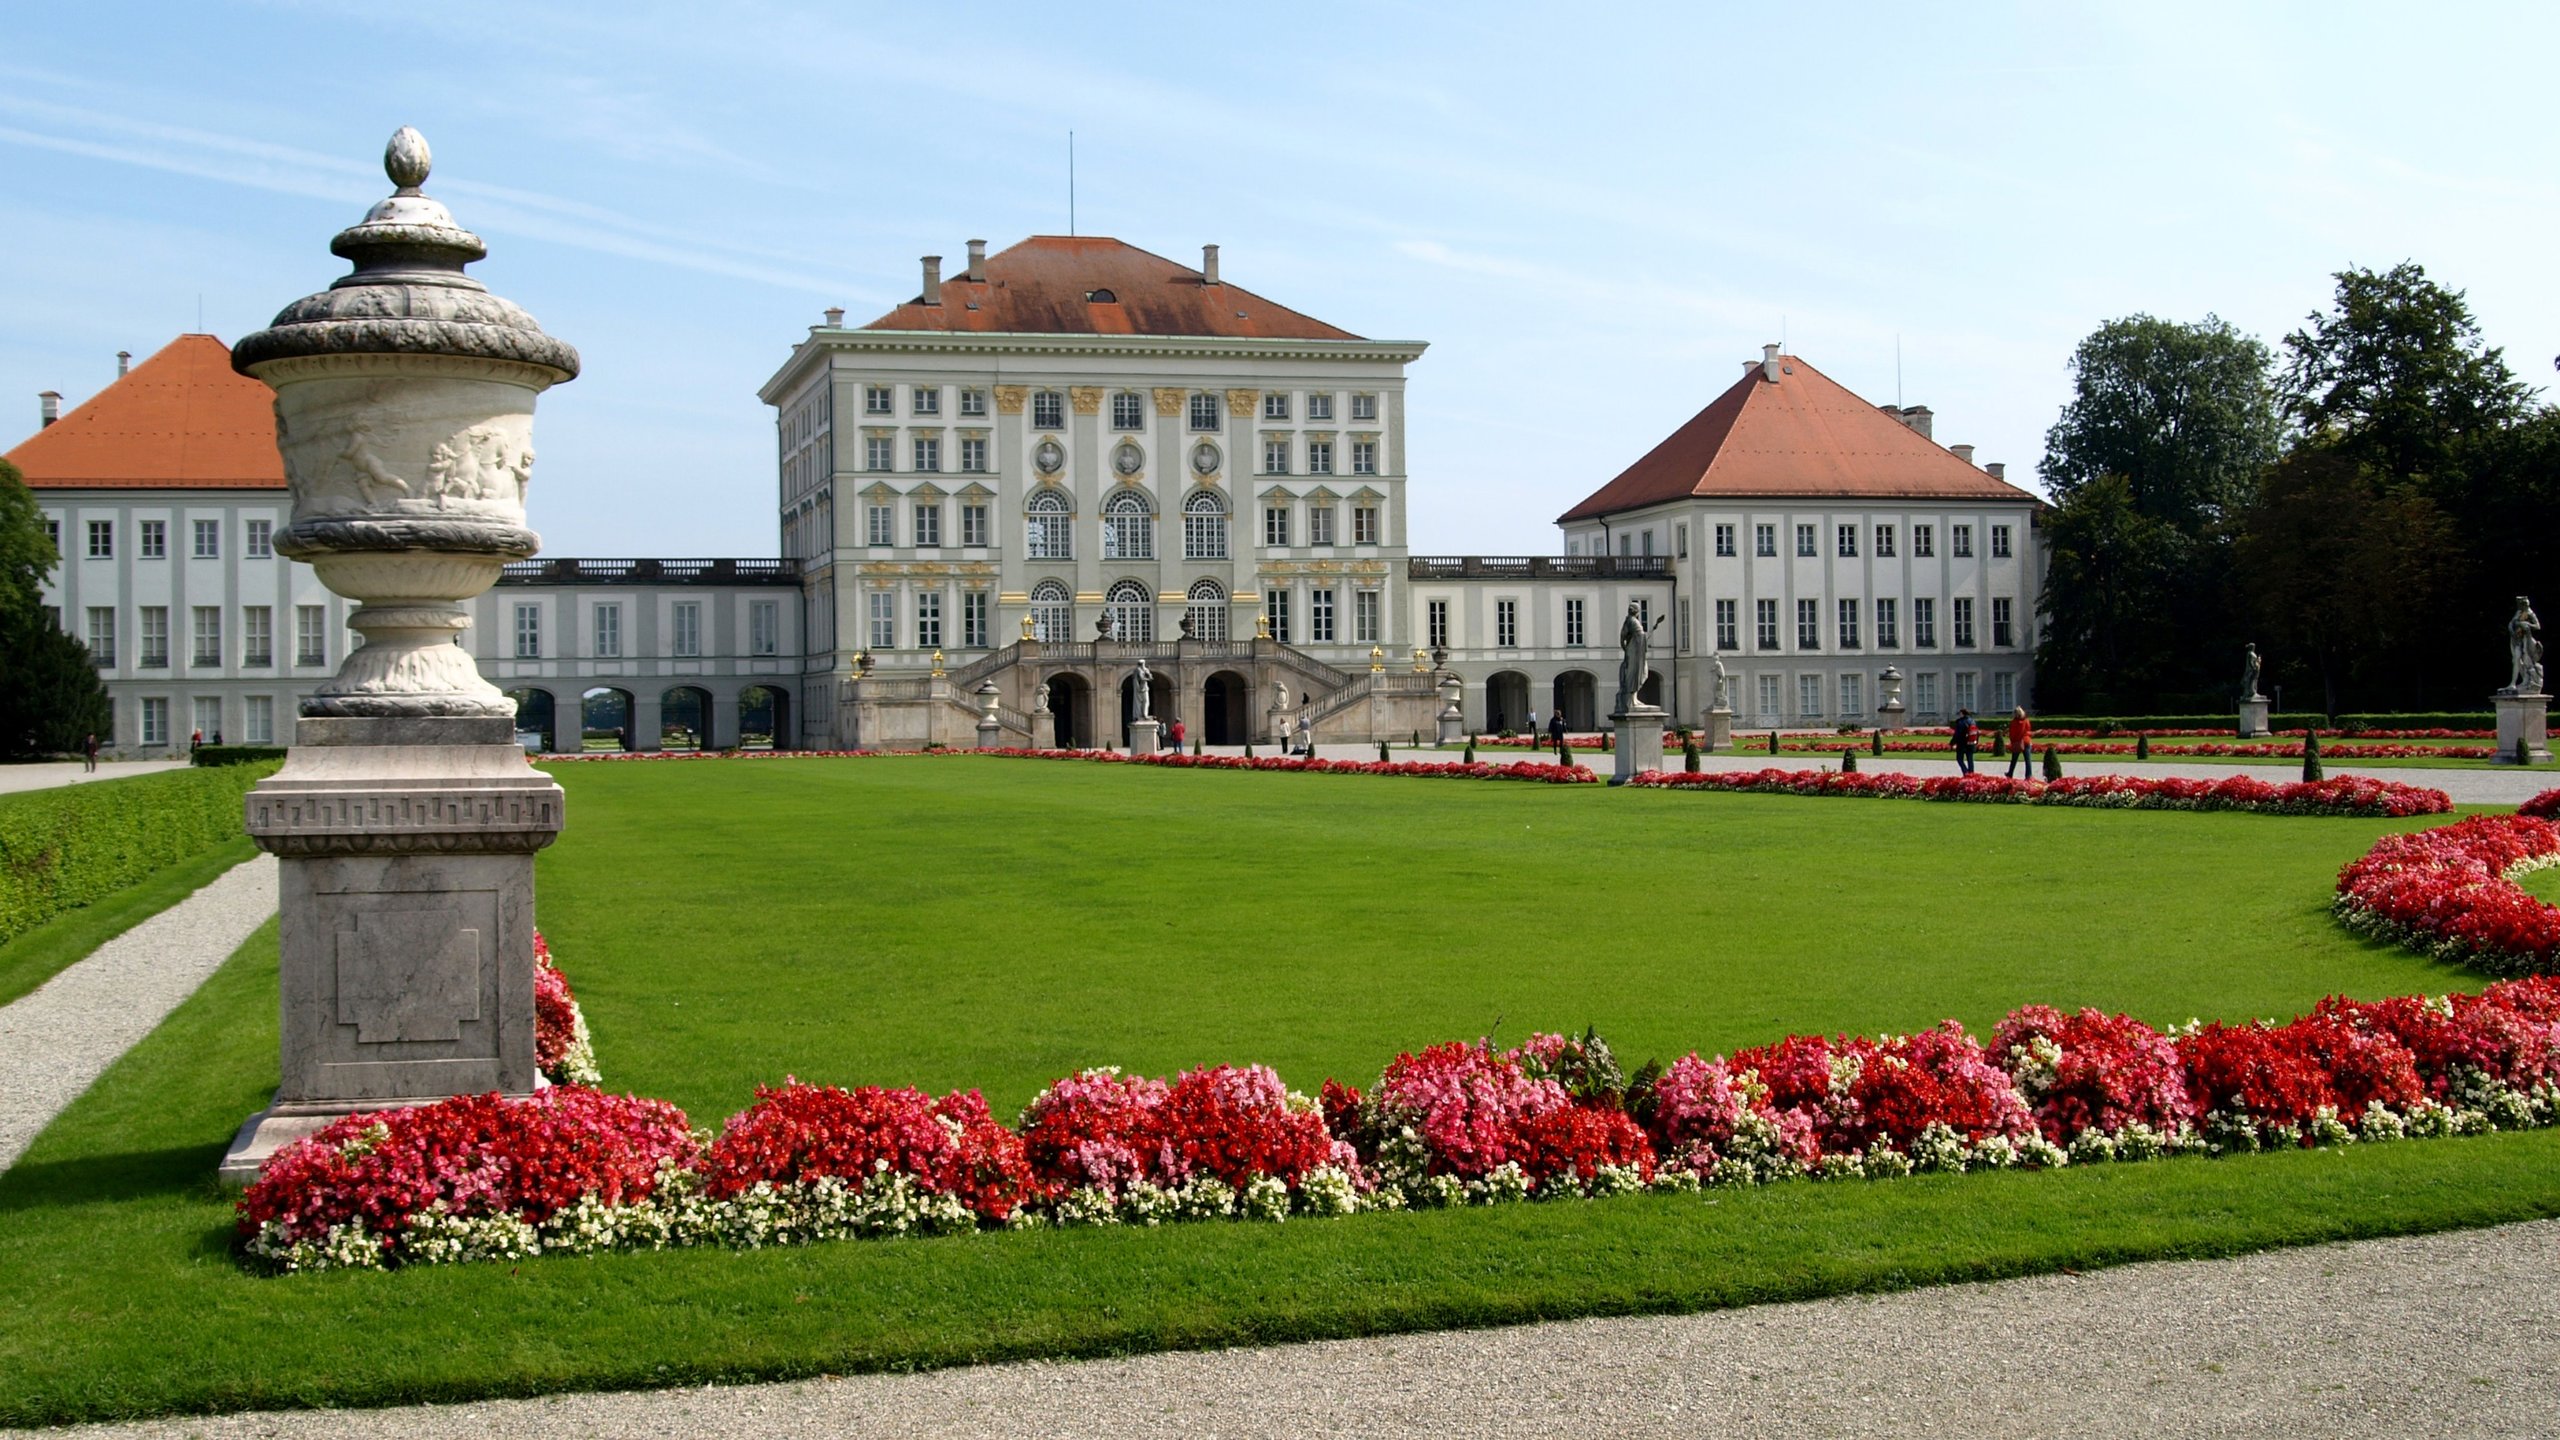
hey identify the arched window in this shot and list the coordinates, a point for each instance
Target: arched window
(1128, 531)
(1204, 526)
(1133, 613)
(1048, 528)
(1208, 610)
(1053, 620)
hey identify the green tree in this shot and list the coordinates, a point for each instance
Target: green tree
(2184, 413)
(26, 552)
(52, 699)
(2109, 601)
(2397, 378)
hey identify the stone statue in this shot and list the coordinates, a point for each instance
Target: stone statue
(1186, 625)
(1279, 697)
(2524, 649)
(1142, 693)
(1635, 644)
(2249, 676)
(1717, 670)
(1102, 626)
(1040, 699)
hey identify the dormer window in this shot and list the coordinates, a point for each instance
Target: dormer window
(1100, 297)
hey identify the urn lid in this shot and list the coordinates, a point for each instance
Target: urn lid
(408, 294)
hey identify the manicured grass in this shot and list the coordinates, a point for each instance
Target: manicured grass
(993, 923)
(31, 959)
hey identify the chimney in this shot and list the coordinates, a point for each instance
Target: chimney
(1919, 418)
(977, 260)
(1961, 452)
(124, 362)
(49, 405)
(835, 317)
(1769, 363)
(1208, 264)
(933, 279)
(1997, 470)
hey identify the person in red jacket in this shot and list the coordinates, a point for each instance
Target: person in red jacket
(2022, 744)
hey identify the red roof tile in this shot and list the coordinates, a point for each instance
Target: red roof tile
(179, 420)
(1041, 287)
(1801, 435)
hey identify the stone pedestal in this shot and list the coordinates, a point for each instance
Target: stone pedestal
(1719, 734)
(2253, 718)
(1889, 709)
(1639, 742)
(1142, 736)
(1044, 730)
(990, 733)
(1452, 718)
(2525, 718)
(1891, 717)
(406, 896)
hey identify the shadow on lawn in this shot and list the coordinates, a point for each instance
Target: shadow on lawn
(133, 1175)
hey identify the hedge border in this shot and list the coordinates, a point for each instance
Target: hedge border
(72, 846)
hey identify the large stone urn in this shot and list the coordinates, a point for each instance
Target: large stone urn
(406, 817)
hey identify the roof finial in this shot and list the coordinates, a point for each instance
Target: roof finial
(406, 159)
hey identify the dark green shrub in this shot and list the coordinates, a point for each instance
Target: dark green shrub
(1773, 742)
(2310, 754)
(1848, 762)
(235, 754)
(1564, 752)
(1879, 742)
(2141, 747)
(1688, 752)
(1471, 748)
(1382, 752)
(62, 849)
(2052, 763)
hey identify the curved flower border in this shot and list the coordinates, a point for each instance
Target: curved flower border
(2345, 795)
(2451, 891)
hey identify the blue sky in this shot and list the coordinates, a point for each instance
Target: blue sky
(1593, 214)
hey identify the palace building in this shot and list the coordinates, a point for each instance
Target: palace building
(1069, 460)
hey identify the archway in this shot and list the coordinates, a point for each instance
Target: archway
(1224, 698)
(1577, 699)
(764, 719)
(684, 718)
(1506, 702)
(536, 719)
(604, 719)
(1071, 711)
(1159, 704)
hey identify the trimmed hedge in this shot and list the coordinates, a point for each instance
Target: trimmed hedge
(64, 848)
(235, 754)
(2283, 720)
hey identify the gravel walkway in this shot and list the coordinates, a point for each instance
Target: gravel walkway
(47, 774)
(57, 1040)
(2442, 1335)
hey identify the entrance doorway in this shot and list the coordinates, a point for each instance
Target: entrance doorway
(1223, 701)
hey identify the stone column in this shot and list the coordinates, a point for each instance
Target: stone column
(2523, 720)
(405, 816)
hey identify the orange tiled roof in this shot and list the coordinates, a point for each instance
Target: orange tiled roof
(1041, 285)
(1801, 435)
(179, 420)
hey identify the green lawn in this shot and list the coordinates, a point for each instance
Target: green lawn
(31, 959)
(992, 923)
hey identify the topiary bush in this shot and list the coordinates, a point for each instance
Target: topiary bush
(237, 754)
(2052, 763)
(1688, 752)
(1848, 762)
(2141, 747)
(62, 849)
(2310, 754)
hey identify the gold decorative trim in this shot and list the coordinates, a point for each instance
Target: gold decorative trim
(1009, 398)
(1243, 402)
(1087, 399)
(1168, 402)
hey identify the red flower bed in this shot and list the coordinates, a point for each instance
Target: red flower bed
(798, 1133)
(2092, 1071)
(548, 758)
(2266, 1074)
(1425, 769)
(559, 1031)
(2449, 891)
(2345, 795)
(1101, 1130)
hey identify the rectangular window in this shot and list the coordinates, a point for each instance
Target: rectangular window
(977, 608)
(1764, 615)
(102, 539)
(884, 620)
(1965, 684)
(53, 536)
(1128, 410)
(257, 635)
(1999, 542)
(1364, 456)
(1924, 694)
(876, 454)
(208, 538)
(1319, 616)
(2004, 691)
(1129, 534)
(1724, 542)
(929, 523)
(208, 635)
(310, 635)
(208, 717)
(155, 721)
(1204, 410)
(1278, 603)
(1319, 457)
(1764, 540)
(2001, 627)
(1924, 623)
(929, 620)
(1275, 457)
(1848, 542)
(1804, 542)
(1364, 617)
(1364, 524)
(1681, 641)
(973, 403)
(1848, 624)
(973, 454)
(1435, 624)
(155, 539)
(1275, 526)
(878, 400)
(1047, 536)
(973, 525)
(1573, 626)
(608, 632)
(1728, 625)
(1888, 624)
(102, 634)
(1364, 407)
(928, 453)
(1506, 623)
(1680, 541)
(1320, 406)
(688, 629)
(1808, 625)
(924, 400)
(1275, 405)
(764, 627)
(1853, 696)
(1319, 524)
(1924, 541)
(258, 719)
(880, 525)
(261, 540)
(528, 632)
(1960, 542)
(1048, 411)
(1808, 697)
(1964, 622)
(1884, 542)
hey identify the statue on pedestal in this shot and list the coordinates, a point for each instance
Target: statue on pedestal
(1635, 645)
(1040, 699)
(2524, 649)
(1142, 691)
(2249, 676)
(1716, 669)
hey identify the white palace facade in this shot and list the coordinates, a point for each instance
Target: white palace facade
(1065, 461)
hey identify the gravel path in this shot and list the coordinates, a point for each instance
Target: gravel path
(57, 1040)
(2442, 1335)
(50, 773)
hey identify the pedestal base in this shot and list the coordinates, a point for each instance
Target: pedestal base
(1453, 726)
(1044, 730)
(280, 1124)
(1890, 718)
(1639, 743)
(2526, 719)
(2253, 719)
(1142, 736)
(990, 735)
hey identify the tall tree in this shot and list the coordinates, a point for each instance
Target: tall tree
(2397, 378)
(26, 552)
(2184, 413)
(51, 699)
(2108, 633)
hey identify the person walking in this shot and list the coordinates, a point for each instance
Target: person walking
(2022, 744)
(1964, 730)
(1555, 733)
(1533, 727)
(1306, 736)
(89, 750)
(1177, 734)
